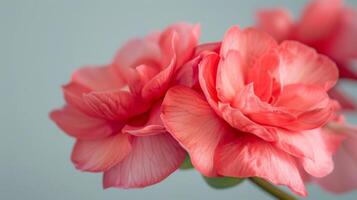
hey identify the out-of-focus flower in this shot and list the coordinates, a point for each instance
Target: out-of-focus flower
(343, 178)
(261, 111)
(325, 25)
(113, 111)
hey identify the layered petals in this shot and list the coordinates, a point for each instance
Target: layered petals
(159, 84)
(139, 51)
(102, 154)
(98, 78)
(91, 93)
(274, 99)
(152, 159)
(192, 122)
(241, 122)
(152, 126)
(249, 42)
(230, 78)
(113, 111)
(207, 78)
(82, 126)
(181, 40)
(245, 155)
(114, 105)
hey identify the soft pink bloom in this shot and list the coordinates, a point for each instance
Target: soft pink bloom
(113, 111)
(260, 113)
(343, 177)
(325, 25)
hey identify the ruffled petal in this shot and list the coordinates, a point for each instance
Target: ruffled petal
(265, 77)
(114, 105)
(98, 78)
(137, 52)
(81, 126)
(189, 118)
(188, 73)
(238, 120)
(152, 159)
(244, 155)
(207, 78)
(250, 43)
(91, 80)
(73, 93)
(302, 64)
(310, 107)
(300, 98)
(323, 148)
(230, 77)
(152, 126)
(294, 143)
(179, 39)
(158, 85)
(100, 155)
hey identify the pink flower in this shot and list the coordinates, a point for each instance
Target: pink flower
(260, 113)
(325, 25)
(343, 177)
(113, 111)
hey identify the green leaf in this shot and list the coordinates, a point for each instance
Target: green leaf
(222, 182)
(186, 163)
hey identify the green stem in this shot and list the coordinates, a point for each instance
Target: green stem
(271, 189)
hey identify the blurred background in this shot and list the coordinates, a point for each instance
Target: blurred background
(43, 41)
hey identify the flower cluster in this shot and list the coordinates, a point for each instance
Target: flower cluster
(260, 103)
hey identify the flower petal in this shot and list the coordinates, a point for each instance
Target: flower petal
(91, 79)
(230, 77)
(158, 85)
(137, 52)
(82, 126)
(114, 105)
(152, 159)
(343, 177)
(244, 155)
(265, 77)
(179, 39)
(294, 143)
(190, 119)
(301, 98)
(153, 125)
(207, 72)
(100, 155)
(98, 78)
(342, 47)
(250, 43)
(323, 148)
(277, 22)
(319, 20)
(301, 64)
(239, 121)
(310, 106)
(188, 73)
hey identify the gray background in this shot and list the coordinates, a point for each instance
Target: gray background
(43, 41)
